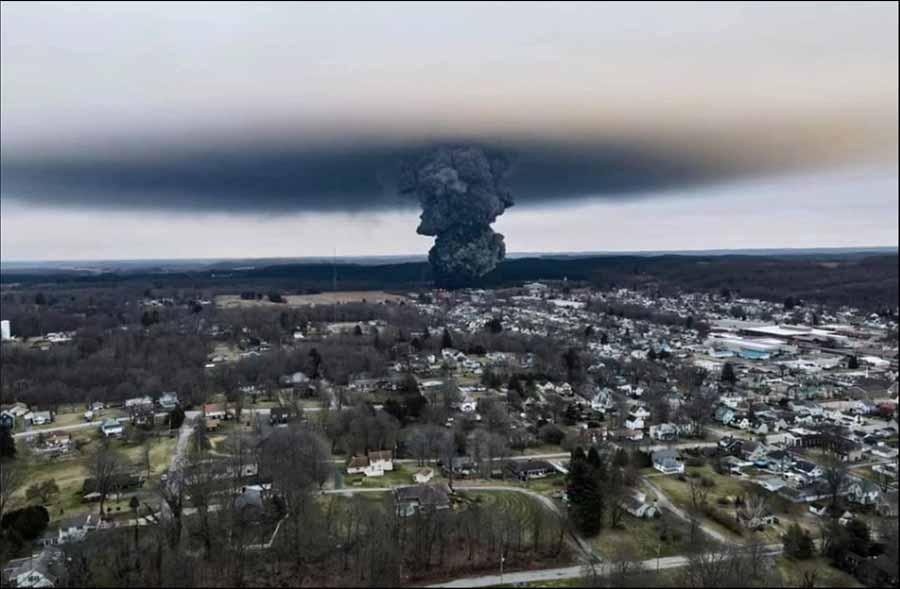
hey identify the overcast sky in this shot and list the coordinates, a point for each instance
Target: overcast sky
(253, 130)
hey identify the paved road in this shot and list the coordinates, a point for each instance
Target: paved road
(574, 572)
(75, 427)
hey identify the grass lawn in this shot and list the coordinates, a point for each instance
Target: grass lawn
(791, 572)
(71, 471)
(401, 475)
(544, 449)
(668, 534)
(728, 488)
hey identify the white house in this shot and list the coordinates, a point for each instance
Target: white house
(633, 422)
(41, 418)
(666, 462)
(137, 402)
(423, 475)
(111, 427)
(168, 401)
(637, 505)
(467, 405)
(664, 432)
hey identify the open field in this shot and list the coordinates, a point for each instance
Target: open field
(668, 534)
(791, 572)
(721, 496)
(70, 471)
(324, 298)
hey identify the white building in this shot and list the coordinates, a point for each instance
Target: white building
(5, 330)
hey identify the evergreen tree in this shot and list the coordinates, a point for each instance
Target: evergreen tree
(7, 443)
(798, 543)
(728, 374)
(446, 339)
(584, 494)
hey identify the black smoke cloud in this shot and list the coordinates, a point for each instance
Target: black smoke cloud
(364, 176)
(462, 190)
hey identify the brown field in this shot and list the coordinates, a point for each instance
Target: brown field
(324, 298)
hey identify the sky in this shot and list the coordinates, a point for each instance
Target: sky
(186, 130)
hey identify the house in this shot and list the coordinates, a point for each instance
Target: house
(41, 417)
(467, 405)
(725, 415)
(809, 470)
(279, 415)
(778, 461)
(753, 451)
(664, 432)
(11, 413)
(138, 402)
(7, 420)
(413, 499)
(734, 465)
(863, 492)
(43, 570)
(633, 422)
(213, 411)
(382, 459)
(423, 475)
(666, 462)
(142, 415)
(601, 401)
(211, 425)
(459, 466)
(372, 465)
(637, 505)
(74, 529)
(771, 484)
(17, 409)
(168, 401)
(111, 427)
(525, 470)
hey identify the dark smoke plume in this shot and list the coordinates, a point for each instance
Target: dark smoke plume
(462, 191)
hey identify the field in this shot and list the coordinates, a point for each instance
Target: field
(668, 535)
(324, 298)
(69, 472)
(791, 572)
(721, 496)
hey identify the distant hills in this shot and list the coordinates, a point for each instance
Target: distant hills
(866, 278)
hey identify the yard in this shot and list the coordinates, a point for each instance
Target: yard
(722, 492)
(69, 472)
(668, 535)
(401, 475)
(792, 571)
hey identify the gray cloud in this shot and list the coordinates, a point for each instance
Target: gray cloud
(294, 177)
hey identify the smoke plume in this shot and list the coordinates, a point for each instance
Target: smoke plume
(462, 191)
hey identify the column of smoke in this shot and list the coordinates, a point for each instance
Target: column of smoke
(462, 192)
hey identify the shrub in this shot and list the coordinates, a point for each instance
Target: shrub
(726, 521)
(707, 482)
(695, 462)
(28, 523)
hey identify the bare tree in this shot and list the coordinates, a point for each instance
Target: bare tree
(12, 477)
(105, 467)
(835, 476)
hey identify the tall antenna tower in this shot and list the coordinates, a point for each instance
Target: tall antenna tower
(334, 284)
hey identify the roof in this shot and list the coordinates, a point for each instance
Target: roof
(379, 455)
(358, 462)
(437, 495)
(661, 455)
